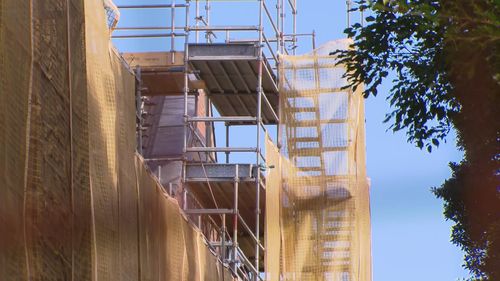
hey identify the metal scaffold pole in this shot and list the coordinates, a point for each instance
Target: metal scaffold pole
(348, 5)
(278, 31)
(172, 30)
(235, 219)
(207, 16)
(186, 97)
(259, 120)
(197, 20)
(282, 26)
(294, 40)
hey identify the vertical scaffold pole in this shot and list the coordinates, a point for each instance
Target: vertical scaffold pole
(348, 4)
(235, 219)
(197, 20)
(282, 26)
(277, 62)
(278, 33)
(259, 121)
(207, 16)
(223, 238)
(314, 39)
(227, 142)
(294, 8)
(159, 174)
(186, 97)
(172, 31)
(362, 16)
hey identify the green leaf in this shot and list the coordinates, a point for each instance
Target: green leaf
(370, 19)
(435, 142)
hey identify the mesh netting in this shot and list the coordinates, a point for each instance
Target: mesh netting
(112, 14)
(321, 178)
(76, 203)
(15, 73)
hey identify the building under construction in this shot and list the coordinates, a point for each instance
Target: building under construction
(216, 152)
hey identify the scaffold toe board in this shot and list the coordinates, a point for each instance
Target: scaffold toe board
(162, 73)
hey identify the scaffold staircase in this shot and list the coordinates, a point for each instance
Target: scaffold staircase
(306, 148)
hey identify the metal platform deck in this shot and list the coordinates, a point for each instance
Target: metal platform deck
(214, 186)
(221, 178)
(230, 73)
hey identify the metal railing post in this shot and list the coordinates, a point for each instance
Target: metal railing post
(223, 238)
(197, 18)
(235, 218)
(294, 40)
(314, 40)
(207, 15)
(227, 142)
(186, 97)
(280, 30)
(159, 174)
(172, 31)
(282, 18)
(184, 199)
(259, 120)
(348, 5)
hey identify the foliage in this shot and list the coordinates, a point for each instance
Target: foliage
(445, 56)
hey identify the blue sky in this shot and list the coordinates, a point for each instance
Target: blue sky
(410, 236)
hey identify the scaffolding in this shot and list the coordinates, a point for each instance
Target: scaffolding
(295, 209)
(237, 76)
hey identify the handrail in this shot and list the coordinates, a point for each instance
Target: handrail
(270, 18)
(246, 40)
(221, 149)
(269, 46)
(162, 6)
(248, 263)
(159, 35)
(127, 28)
(249, 231)
(224, 28)
(223, 119)
(268, 103)
(294, 9)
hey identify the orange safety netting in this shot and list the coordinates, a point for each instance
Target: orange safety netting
(319, 177)
(76, 203)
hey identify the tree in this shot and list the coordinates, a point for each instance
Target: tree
(445, 58)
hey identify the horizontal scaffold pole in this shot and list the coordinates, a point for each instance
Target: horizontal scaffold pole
(223, 119)
(221, 149)
(209, 211)
(162, 6)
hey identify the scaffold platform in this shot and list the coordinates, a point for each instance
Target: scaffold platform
(230, 72)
